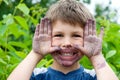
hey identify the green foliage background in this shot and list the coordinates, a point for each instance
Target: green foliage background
(16, 31)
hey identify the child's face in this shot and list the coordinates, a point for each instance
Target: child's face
(67, 37)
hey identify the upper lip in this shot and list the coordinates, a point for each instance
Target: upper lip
(68, 50)
(71, 50)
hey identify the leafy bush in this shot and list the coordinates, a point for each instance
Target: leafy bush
(16, 32)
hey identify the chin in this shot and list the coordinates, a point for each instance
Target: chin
(68, 64)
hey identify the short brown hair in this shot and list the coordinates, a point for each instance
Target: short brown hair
(69, 11)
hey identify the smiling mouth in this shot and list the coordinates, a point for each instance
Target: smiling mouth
(67, 56)
(68, 52)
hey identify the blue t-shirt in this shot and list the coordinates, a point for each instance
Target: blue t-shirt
(51, 74)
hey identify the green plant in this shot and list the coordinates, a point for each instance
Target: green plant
(16, 32)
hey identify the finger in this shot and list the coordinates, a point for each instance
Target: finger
(101, 33)
(49, 28)
(81, 49)
(94, 28)
(54, 49)
(90, 27)
(86, 29)
(41, 31)
(37, 30)
(46, 26)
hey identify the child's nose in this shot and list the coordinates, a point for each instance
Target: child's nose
(67, 43)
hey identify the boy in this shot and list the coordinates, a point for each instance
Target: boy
(67, 33)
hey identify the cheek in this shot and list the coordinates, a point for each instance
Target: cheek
(56, 42)
(79, 42)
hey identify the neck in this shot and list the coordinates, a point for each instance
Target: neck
(64, 69)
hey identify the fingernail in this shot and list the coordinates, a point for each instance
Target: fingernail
(89, 19)
(102, 28)
(42, 18)
(48, 21)
(45, 17)
(93, 22)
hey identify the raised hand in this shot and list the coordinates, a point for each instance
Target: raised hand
(92, 42)
(42, 38)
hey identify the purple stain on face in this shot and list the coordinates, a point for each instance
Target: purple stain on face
(68, 56)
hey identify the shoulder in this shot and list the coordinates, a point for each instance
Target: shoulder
(38, 73)
(90, 72)
(42, 70)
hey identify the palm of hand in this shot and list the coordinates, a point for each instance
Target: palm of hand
(93, 45)
(42, 37)
(92, 42)
(43, 43)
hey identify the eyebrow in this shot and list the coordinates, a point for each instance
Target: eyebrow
(57, 32)
(77, 32)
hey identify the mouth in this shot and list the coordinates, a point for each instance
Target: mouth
(67, 57)
(67, 54)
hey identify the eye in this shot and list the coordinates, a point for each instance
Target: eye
(77, 35)
(58, 35)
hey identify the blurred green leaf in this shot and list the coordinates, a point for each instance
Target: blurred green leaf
(14, 57)
(2, 62)
(22, 7)
(42, 63)
(110, 53)
(49, 63)
(22, 22)
(16, 30)
(3, 29)
(1, 51)
(1, 71)
(113, 67)
(21, 54)
(35, 22)
(8, 19)
(85, 62)
(10, 47)
(18, 44)
(6, 2)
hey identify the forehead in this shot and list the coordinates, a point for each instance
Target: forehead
(58, 21)
(63, 26)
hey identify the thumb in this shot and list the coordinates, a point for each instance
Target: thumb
(101, 32)
(81, 49)
(54, 49)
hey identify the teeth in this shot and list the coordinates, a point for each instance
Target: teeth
(67, 54)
